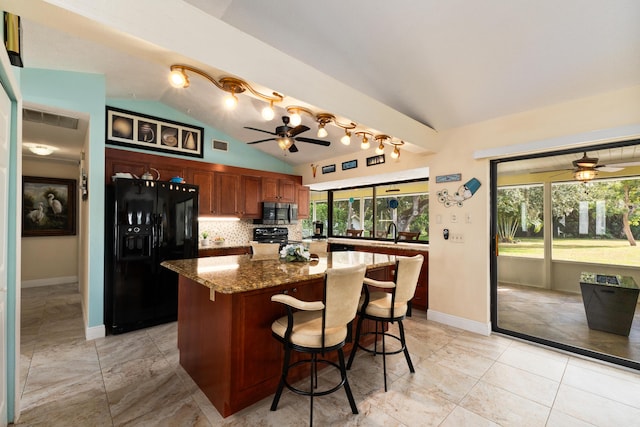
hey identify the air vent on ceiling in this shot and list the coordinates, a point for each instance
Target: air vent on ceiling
(49, 118)
(220, 145)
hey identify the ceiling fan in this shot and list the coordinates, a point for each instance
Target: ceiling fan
(286, 136)
(586, 168)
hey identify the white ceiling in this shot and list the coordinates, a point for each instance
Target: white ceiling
(445, 64)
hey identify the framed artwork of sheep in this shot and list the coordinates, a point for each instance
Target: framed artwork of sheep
(48, 206)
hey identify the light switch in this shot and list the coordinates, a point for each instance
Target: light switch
(467, 218)
(454, 218)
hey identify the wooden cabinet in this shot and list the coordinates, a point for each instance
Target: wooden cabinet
(224, 190)
(251, 193)
(302, 200)
(205, 180)
(278, 190)
(226, 194)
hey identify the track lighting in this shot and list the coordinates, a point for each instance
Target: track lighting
(380, 139)
(178, 78)
(365, 141)
(396, 151)
(267, 112)
(346, 138)
(323, 119)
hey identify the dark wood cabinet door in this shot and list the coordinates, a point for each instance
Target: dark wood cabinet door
(278, 190)
(270, 190)
(204, 179)
(226, 197)
(251, 192)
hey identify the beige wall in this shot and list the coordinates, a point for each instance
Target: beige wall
(54, 259)
(459, 272)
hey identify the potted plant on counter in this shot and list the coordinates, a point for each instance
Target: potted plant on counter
(204, 241)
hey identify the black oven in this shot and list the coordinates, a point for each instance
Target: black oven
(271, 235)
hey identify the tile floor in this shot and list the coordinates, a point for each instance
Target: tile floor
(461, 379)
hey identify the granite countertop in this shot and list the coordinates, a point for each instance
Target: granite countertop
(242, 273)
(380, 244)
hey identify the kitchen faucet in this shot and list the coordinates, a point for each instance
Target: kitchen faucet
(395, 231)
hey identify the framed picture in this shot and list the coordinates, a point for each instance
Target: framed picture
(328, 169)
(48, 206)
(449, 178)
(375, 160)
(126, 128)
(351, 164)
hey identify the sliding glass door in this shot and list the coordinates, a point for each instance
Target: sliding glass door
(553, 223)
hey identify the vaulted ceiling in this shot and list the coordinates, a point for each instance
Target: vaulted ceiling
(435, 64)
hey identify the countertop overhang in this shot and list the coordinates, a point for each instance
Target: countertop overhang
(243, 273)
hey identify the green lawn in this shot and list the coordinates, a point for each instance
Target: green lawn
(616, 252)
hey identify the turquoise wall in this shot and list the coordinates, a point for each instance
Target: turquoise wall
(239, 154)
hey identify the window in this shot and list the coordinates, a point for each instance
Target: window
(597, 222)
(368, 212)
(319, 210)
(520, 220)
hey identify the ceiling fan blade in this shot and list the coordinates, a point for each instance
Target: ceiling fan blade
(298, 130)
(293, 148)
(314, 141)
(605, 168)
(261, 130)
(261, 140)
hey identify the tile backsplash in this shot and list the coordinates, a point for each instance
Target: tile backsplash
(240, 232)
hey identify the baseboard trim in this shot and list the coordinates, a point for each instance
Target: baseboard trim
(94, 332)
(63, 280)
(460, 322)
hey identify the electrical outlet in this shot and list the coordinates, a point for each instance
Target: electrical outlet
(457, 237)
(454, 218)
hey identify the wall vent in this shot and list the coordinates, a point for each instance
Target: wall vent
(49, 118)
(220, 145)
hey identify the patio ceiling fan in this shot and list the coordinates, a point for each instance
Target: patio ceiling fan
(286, 136)
(586, 168)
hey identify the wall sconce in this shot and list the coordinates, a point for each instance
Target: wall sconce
(232, 85)
(396, 151)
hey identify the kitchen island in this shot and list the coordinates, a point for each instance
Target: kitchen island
(225, 314)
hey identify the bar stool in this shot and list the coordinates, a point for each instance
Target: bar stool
(319, 327)
(388, 306)
(258, 248)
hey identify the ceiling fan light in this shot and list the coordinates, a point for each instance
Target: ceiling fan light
(178, 79)
(295, 119)
(284, 143)
(380, 149)
(322, 132)
(268, 113)
(585, 175)
(346, 138)
(231, 101)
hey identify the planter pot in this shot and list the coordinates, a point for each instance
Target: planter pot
(204, 242)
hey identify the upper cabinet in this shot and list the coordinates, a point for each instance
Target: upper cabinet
(279, 190)
(224, 190)
(204, 179)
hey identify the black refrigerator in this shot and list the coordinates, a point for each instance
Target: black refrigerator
(147, 222)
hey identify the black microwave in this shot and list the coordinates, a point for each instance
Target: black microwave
(279, 213)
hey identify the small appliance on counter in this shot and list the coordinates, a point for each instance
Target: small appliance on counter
(318, 226)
